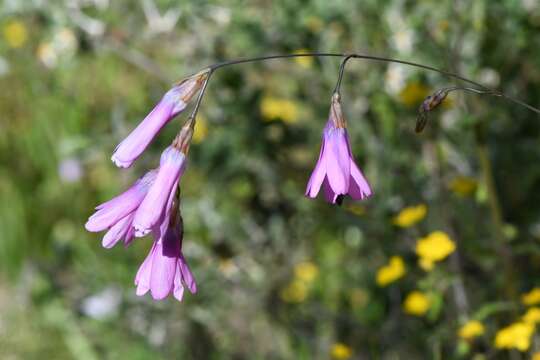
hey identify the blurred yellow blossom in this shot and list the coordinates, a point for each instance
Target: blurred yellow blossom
(416, 303)
(341, 351)
(303, 61)
(517, 335)
(536, 356)
(391, 272)
(463, 185)
(413, 94)
(275, 108)
(410, 215)
(532, 297)
(201, 130)
(15, 33)
(306, 271)
(532, 316)
(295, 292)
(471, 329)
(435, 247)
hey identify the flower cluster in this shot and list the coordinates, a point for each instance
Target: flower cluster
(151, 204)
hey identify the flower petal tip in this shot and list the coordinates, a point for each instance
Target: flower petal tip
(140, 232)
(120, 163)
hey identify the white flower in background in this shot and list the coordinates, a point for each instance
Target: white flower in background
(469, 47)
(158, 23)
(489, 77)
(103, 304)
(221, 15)
(65, 41)
(62, 46)
(403, 40)
(394, 16)
(529, 5)
(4, 66)
(395, 78)
(70, 170)
(47, 55)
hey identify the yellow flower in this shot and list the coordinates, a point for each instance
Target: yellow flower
(303, 61)
(201, 130)
(463, 185)
(416, 303)
(341, 351)
(471, 329)
(532, 316)
(517, 335)
(532, 297)
(15, 34)
(435, 247)
(306, 271)
(391, 272)
(274, 108)
(410, 216)
(295, 292)
(413, 94)
(536, 356)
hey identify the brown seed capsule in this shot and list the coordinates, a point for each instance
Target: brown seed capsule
(430, 103)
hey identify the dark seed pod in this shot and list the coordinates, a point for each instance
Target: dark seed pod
(431, 102)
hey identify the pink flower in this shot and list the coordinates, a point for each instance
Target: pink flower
(117, 213)
(152, 209)
(165, 270)
(336, 170)
(172, 103)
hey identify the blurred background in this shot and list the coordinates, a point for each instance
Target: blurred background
(443, 262)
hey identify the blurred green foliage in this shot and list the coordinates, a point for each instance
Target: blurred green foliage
(280, 276)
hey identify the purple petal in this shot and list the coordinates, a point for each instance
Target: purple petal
(337, 162)
(162, 275)
(187, 276)
(317, 176)
(115, 209)
(359, 187)
(142, 279)
(129, 236)
(178, 291)
(154, 204)
(118, 231)
(110, 212)
(329, 194)
(136, 142)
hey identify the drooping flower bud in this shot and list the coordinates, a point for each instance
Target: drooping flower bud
(172, 103)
